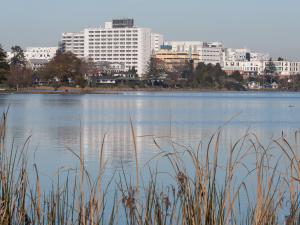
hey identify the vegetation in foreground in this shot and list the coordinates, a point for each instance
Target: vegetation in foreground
(210, 195)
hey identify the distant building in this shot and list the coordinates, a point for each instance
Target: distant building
(36, 64)
(110, 68)
(184, 46)
(243, 54)
(46, 53)
(119, 41)
(208, 52)
(244, 67)
(173, 59)
(75, 43)
(285, 68)
(37, 56)
(156, 41)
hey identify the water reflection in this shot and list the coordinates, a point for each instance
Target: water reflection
(56, 122)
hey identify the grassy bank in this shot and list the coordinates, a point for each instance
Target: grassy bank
(209, 195)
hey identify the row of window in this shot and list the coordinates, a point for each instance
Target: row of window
(113, 47)
(110, 59)
(110, 31)
(70, 37)
(216, 51)
(116, 59)
(116, 48)
(210, 56)
(115, 35)
(91, 54)
(114, 39)
(112, 43)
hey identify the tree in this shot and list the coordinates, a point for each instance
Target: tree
(4, 67)
(132, 72)
(209, 75)
(188, 69)
(270, 68)
(20, 75)
(19, 57)
(236, 75)
(155, 69)
(66, 67)
(280, 59)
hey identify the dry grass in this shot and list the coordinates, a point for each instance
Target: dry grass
(209, 194)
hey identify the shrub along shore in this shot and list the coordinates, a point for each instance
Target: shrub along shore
(211, 194)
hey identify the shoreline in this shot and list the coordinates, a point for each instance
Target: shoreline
(119, 90)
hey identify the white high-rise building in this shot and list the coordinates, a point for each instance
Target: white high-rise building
(118, 42)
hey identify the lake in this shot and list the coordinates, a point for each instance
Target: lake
(56, 123)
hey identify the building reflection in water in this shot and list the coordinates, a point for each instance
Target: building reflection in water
(56, 121)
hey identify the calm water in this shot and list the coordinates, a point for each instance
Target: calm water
(56, 122)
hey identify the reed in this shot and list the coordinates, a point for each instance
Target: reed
(208, 194)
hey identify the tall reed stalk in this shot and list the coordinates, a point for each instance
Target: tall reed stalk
(211, 193)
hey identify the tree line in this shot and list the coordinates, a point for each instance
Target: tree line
(67, 69)
(188, 75)
(63, 69)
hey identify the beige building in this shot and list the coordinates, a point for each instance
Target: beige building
(174, 59)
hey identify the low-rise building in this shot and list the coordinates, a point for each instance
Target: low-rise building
(244, 67)
(244, 54)
(208, 52)
(46, 53)
(37, 56)
(284, 68)
(36, 64)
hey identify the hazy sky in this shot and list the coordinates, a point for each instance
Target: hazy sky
(267, 25)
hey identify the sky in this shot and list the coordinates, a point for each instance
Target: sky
(271, 26)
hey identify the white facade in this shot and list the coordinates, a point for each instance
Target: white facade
(46, 53)
(185, 46)
(74, 42)
(294, 68)
(37, 56)
(248, 67)
(156, 41)
(241, 54)
(211, 53)
(285, 68)
(116, 44)
(40, 53)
